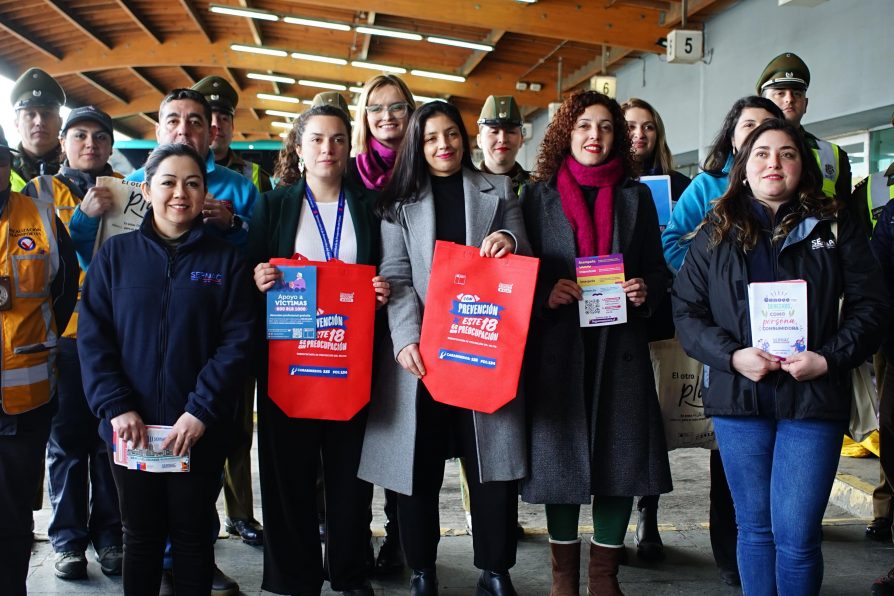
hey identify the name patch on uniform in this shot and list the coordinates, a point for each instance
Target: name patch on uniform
(27, 243)
(205, 278)
(35, 231)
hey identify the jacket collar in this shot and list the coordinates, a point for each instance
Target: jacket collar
(195, 233)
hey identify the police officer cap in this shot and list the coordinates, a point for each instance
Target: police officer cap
(785, 71)
(219, 93)
(36, 89)
(89, 113)
(331, 98)
(500, 110)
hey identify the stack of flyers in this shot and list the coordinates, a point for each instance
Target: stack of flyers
(153, 459)
(604, 301)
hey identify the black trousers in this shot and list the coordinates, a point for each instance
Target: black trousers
(443, 431)
(23, 442)
(290, 457)
(157, 506)
(722, 517)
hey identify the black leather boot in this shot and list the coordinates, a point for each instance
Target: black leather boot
(424, 582)
(495, 583)
(649, 547)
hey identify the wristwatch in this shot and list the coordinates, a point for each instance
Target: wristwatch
(235, 223)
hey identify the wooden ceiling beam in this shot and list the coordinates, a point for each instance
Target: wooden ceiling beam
(28, 40)
(477, 56)
(252, 25)
(129, 131)
(147, 81)
(367, 39)
(187, 74)
(652, 4)
(231, 75)
(148, 118)
(675, 14)
(63, 11)
(139, 19)
(98, 85)
(197, 20)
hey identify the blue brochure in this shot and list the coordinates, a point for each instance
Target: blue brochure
(661, 195)
(292, 304)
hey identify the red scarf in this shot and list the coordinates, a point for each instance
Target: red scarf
(376, 164)
(593, 233)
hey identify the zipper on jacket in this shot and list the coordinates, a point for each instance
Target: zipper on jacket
(163, 335)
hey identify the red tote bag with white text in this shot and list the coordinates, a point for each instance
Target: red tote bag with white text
(328, 378)
(477, 312)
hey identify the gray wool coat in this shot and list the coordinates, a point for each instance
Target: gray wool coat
(611, 442)
(407, 251)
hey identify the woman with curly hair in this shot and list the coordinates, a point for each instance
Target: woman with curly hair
(774, 224)
(595, 424)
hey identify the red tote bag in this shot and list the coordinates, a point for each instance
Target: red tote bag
(477, 312)
(328, 378)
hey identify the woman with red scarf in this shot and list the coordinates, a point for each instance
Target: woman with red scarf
(595, 424)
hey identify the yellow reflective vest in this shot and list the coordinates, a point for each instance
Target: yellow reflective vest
(16, 182)
(29, 263)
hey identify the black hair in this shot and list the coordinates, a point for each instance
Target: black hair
(162, 152)
(190, 94)
(722, 147)
(287, 171)
(411, 171)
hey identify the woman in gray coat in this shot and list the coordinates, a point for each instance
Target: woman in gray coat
(595, 423)
(435, 193)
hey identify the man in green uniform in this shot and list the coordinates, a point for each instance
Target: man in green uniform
(784, 82)
(223, 99)
(500, 138)
(36, 98)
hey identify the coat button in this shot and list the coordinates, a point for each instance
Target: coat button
(627, 357)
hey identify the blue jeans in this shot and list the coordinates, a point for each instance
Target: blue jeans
(780, 473)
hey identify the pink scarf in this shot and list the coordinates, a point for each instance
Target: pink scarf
(593, 233)
(376, 164)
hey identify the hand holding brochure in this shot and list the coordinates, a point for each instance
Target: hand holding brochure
(153, 459)
(604, 301)
(778, 313)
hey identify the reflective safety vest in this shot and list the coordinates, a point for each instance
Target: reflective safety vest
(29, 262)
(878, 195)
(16, 182)
(55, 191)
(827, 156)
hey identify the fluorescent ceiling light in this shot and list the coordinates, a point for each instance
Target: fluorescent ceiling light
(282, 114)
(281, 124)
(381, 67)
(389, 33)
(322, 85)
(460, 43)
(283, 134)
(307, 102)
(259, 50)
(272, 78)
(316, 23)
(355, 89)
(424, 99)
(283, 98)
(353, 108)
(438, 75)
(316, 58)
(244, 12)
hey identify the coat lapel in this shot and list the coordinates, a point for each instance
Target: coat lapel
(288, 224)
(626, 207)
(481, 206)
(557, 230)
(420, 219)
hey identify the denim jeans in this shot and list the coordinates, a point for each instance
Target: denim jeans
(780, 473)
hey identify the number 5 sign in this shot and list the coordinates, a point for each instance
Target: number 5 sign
(684, 47)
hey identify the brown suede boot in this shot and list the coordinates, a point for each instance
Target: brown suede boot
(603, 575)
(565, 559)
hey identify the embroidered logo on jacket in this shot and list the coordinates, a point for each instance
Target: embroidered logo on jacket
(205, 278)
(818, 243)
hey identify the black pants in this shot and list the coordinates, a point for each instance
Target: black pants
(156, 506)
(494, 505)
(722, 517)
(290, 458)
(23, 441)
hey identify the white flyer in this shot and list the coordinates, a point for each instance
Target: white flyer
(778, 313)
(153, 459)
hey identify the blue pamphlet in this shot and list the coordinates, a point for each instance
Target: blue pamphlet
(661, 195)
(292, 304)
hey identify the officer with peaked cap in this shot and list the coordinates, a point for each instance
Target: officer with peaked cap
(36, 98)
(223, 99)
(785, 81)
(30, 231)
(500, 139)
(331, 98)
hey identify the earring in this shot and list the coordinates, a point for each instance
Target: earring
(301, 164)
(745, 182)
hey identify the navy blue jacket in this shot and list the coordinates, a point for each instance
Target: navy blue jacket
(165, 331)
(883, 247)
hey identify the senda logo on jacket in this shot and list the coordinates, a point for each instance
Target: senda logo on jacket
(205, 278)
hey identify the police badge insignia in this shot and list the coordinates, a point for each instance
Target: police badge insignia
(830, 171)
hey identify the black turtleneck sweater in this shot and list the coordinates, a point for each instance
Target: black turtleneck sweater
(450, 207)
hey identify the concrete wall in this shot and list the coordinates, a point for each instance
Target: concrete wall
(847, 44)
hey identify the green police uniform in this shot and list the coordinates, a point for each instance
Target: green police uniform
(501, 111)
(35, 89)
(223, 98)
(788, 71)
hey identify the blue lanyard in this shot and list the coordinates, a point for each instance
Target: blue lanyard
(330, 251)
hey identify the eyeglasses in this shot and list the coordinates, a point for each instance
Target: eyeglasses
(399, 109)
(5, 157)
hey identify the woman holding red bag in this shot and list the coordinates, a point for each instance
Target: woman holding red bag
(320, 214)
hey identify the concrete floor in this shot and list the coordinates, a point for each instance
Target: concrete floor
(851, 561)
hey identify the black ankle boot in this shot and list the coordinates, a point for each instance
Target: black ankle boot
(424, 582)
(495, 583)
(649, 547)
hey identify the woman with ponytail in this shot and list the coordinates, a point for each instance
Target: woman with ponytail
(595, 424)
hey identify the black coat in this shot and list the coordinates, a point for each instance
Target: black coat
(710, 300)
(610, 442)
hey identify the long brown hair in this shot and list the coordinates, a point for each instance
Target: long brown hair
(733, 214)
(557, 141)
(661, 158)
